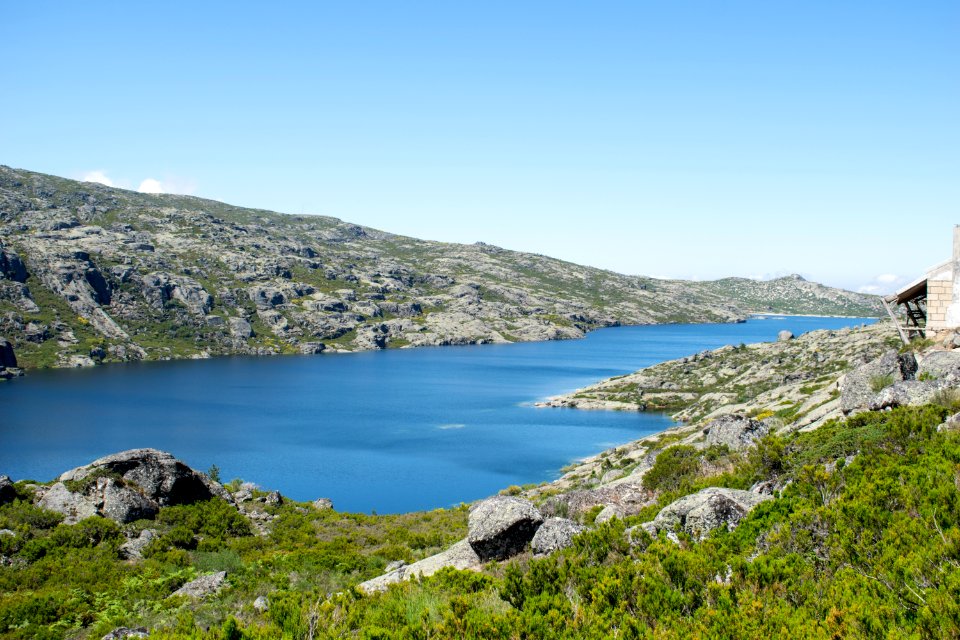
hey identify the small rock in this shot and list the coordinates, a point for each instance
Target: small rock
(784, 336)
(273, 498)
(133, 549)
(555, 534)
(202, 586)
(127, 632)
(261, 604)
(7, 532)
(321, 504)
(459, 556)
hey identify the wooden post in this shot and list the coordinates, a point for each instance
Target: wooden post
(896, 323)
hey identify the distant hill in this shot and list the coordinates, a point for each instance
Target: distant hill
(90, 274)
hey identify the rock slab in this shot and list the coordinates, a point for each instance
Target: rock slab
(555, 534)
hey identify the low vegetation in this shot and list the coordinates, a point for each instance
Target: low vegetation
(862, 540)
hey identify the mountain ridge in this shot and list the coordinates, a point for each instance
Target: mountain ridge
(91, 274)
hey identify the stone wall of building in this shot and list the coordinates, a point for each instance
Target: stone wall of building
(939, 297)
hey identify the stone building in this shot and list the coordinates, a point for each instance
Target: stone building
(932, 302)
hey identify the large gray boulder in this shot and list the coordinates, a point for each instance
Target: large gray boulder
(735, 431)
(127, 486)
(702, 512)
(555, 534)
(857, 388)
(459, 556)
(161, 477)
(502, 526)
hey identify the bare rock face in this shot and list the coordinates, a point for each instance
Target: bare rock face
(203, 586)
(735, 431)
(500, 527)
(555, 534)
(459, 556)
(11, 266)
(105, 497)
(702, 512)
(857, 388)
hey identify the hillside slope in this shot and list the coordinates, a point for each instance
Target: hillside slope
(90, 273)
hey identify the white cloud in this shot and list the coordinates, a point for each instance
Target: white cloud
(883, 283)
(97, 176)
(150, 185)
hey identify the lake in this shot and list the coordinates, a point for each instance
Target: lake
(386, 431)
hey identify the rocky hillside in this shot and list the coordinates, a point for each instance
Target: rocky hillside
(91, 274)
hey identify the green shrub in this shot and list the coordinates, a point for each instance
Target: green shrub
(880, 382)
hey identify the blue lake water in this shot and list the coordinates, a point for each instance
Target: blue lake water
(390, 431)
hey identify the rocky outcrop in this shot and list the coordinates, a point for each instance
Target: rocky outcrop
(460, 556)
(858, 387)
(128, 486)
(555, 534)
(502, 526)
(734, 431)
(702, 512)
(161, 477)
(203, 586)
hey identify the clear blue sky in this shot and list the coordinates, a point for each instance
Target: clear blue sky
(676, 138)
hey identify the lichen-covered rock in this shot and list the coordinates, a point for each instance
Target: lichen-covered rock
(904, 393)
(706, 510)
(941, 366)
(735, 431)
(459, 556)
(203, 586)
(502, 526)
(73, 506)
(107, 497)
(555, 534)
(858, 387)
